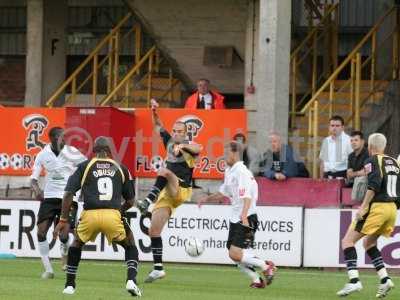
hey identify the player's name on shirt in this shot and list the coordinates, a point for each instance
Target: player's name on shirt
(392, 168)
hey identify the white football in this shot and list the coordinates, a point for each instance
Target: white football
(194, 247)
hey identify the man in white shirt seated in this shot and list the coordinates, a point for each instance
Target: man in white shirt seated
(59, 161)
(335, 150)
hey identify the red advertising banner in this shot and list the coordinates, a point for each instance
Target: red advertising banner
(210, 128)
(24, 132)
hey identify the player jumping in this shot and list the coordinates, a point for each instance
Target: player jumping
(375, 217)
(59, 161)
(173, 185)
(242, 189)
(102, 182)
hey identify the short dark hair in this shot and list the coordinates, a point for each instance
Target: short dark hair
(337, 118)
(239, 136)
(101, 144)
(235, 147)
(53, 131)
(357, 132)
(204, 79)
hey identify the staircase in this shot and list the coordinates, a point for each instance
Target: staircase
(149, 75)
(350, 90)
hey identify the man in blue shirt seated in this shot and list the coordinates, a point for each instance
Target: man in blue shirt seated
(280, 163)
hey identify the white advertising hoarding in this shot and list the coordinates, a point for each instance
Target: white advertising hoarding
(323, 232)
(279, 237)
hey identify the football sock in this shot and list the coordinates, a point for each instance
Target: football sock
(249, 258)
(157, 249)
(155, 190)
(250, 272)
(44, 255)
(74, 257)
(377, 260)
(131, 259)
(350, 257)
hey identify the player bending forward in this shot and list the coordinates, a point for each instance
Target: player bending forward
(375, 217)
(103, 182)
(59, 161)
(242, 189)
(173, 186)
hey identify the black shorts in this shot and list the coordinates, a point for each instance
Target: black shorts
(50, 209)
(243, 236)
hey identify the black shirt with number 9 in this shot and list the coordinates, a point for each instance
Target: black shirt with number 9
(103, 182)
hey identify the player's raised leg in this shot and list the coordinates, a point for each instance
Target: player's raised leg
(44, 249)
(350, 257)
(386, 284)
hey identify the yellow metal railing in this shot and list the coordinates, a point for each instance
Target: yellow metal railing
(109, 44)
(105, 59)
(362, 78)
(321, 39)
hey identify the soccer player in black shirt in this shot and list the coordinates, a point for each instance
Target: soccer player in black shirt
(103, 182)
(173, 185)
(375, 217)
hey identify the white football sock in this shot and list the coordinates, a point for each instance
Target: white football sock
(44, 253)
(353, 274)
(249, 258)
(382, 273)
(254, 276)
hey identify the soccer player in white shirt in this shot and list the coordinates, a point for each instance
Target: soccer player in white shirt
(242, 189)
(59, 161)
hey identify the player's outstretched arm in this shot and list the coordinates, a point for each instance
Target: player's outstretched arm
(213, 198)
(191, 148)
(157, 123)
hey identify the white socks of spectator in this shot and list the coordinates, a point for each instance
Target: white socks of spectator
(250, 259)
(254, 276)
(44, 253)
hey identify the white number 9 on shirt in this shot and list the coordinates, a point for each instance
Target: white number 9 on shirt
(105, 187)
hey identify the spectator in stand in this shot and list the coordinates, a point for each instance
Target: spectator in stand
(335, 150)
(357, 158)
(251, 159)
(204, 98)
(279, 161)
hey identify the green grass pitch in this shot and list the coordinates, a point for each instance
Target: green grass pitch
(20, 279)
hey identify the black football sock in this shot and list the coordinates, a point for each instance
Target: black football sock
(377, 260)
(74, 257)
(350, 257)
(155, 190)
(131, 259)
(157, 249)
